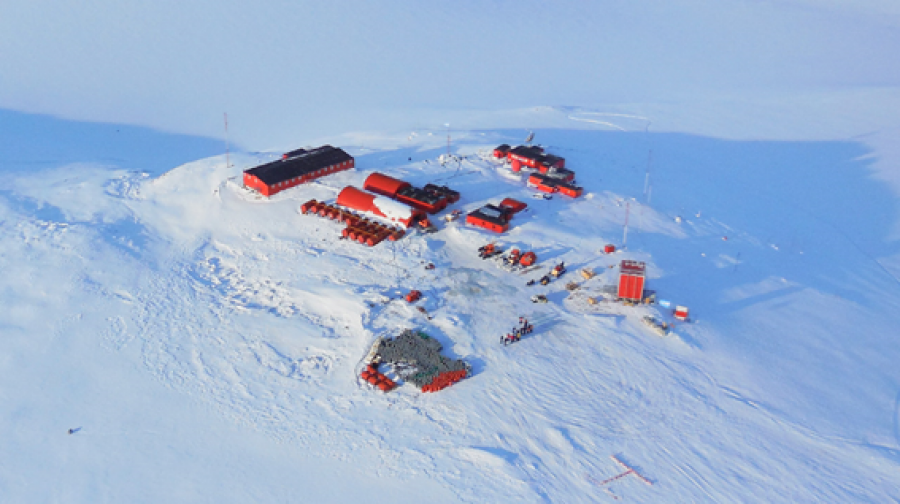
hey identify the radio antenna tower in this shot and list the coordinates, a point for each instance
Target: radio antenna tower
(227, 146)
(647, 177)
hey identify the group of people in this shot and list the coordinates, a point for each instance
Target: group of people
(523, 328)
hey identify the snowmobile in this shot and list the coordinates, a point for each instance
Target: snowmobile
(558, 270)
(510, 338)
(489, 250)
(517, 332)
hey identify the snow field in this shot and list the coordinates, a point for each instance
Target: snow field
(261, 315)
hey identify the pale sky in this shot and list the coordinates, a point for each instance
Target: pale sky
(331, 67)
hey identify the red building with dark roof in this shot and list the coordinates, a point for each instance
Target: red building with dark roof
(297, 167)
(495, 217)
(551, 185)
(533, 156)
(431, 200)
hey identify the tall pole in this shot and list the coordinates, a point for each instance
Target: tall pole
(227, 149)
(448, 140)
(647, 176)
(625, 237)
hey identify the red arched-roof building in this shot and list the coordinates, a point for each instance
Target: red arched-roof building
(380, 206)
(431, 201)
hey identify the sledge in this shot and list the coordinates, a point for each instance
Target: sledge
(660, 328)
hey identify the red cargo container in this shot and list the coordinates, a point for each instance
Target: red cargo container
(631, 280)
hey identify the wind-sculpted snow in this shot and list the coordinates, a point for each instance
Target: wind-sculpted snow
(781, 389)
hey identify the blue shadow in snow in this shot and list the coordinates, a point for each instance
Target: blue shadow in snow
(31, 142)
(815, 211)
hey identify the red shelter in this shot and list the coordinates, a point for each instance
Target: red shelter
(380, 206)
(422, 199)
(380, 183)
(631, 280)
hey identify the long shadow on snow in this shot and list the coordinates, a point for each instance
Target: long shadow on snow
(815, 197)
(805, 214)
(127, 235)
(30, 142)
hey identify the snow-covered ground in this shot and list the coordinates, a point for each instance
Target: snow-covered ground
(206, 342)
(168, 336)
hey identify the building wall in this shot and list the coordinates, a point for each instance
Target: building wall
(490, 226)
(271, 190)
(631, 287)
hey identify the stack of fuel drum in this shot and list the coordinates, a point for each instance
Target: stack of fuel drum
(420, 355)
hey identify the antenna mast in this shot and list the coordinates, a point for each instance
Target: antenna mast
(227, 149)
(625, 237)
(647, 177)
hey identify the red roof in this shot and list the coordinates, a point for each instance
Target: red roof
(515, 205)
(382, 184)
(632, 268)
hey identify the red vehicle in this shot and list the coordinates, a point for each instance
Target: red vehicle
(489, 250)
(413, 296)
(528, 259)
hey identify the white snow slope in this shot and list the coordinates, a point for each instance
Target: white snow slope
(206, 342)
